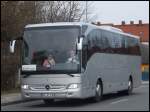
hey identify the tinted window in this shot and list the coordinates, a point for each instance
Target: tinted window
(109, 42)
(132, 45)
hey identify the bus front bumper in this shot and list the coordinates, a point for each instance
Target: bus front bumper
(63, 94)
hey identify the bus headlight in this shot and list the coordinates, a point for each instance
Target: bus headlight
(73, 86)
(25, 86)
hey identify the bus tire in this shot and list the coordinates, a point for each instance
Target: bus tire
(48, 101)
(98, 91)
(130, 87)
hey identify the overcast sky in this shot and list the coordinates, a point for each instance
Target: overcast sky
(116, 11)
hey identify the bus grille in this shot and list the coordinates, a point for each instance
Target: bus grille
(43, 88)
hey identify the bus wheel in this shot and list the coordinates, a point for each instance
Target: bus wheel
(48, 101)
(98, 92)
(130, 87)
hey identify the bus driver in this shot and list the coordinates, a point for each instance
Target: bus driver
(73, 58)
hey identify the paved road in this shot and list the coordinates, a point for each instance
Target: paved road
(138, 101)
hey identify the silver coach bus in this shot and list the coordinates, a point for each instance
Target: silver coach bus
(77, 60)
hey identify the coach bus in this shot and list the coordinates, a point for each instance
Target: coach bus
(73, 60)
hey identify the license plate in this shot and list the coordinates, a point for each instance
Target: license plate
(49, 94)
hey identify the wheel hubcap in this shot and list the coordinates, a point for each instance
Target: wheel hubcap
(130, 85)
(98, 90)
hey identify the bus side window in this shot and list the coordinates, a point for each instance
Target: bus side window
(134, 47)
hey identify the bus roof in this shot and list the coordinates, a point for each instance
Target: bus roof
(55, 24)
(107, 28)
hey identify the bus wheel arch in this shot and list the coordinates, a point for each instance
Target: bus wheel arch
(128, 91)
(98, 90)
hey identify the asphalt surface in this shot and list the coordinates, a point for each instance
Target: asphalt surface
(138, 101)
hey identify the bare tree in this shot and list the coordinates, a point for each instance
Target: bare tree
(26, 12)
(14, 16)
(87, 12)
(61, 11)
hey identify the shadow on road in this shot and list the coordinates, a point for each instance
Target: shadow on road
(77, 103)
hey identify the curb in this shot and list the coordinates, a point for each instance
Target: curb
(145, 82)
(15, 102)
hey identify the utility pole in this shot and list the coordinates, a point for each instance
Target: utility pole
(86, 10)
(70, 11)
(34, 11)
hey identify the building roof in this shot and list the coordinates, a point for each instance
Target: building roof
(140, 29)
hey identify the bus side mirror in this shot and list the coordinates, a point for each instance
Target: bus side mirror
(13, 42)
(12, 46)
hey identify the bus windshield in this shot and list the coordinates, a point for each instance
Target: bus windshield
(51, 48)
